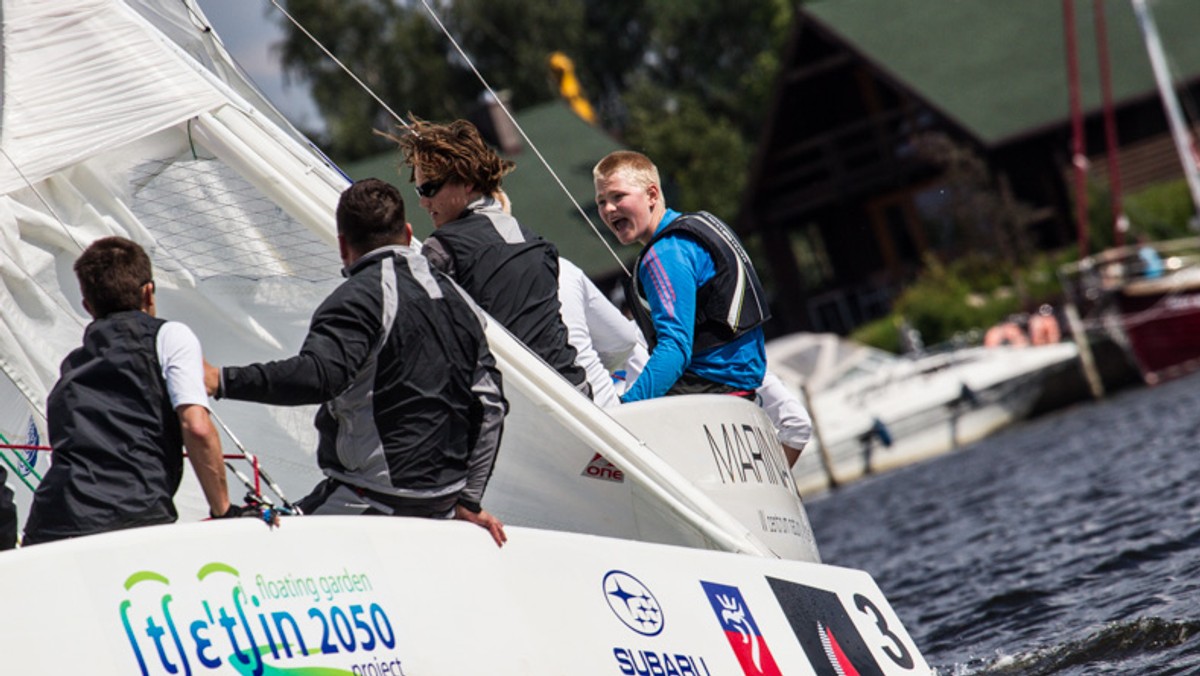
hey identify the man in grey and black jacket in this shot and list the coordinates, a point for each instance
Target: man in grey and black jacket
(411, 401)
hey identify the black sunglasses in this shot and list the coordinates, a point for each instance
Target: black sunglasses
(430, 188)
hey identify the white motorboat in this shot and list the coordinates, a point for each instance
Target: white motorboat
(874, 410)
(666, 539)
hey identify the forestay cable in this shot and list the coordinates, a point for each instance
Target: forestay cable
(520, 129)
(341, 65)
(492, 92)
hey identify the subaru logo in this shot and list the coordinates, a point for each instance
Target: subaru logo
(633, 603)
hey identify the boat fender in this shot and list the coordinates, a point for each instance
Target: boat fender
(882, 432)
(967, 396)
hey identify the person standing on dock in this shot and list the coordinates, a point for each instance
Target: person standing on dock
(411, 401)
(694, 291)
(127, 402)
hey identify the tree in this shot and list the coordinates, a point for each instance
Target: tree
(392, 48)
(685, 81)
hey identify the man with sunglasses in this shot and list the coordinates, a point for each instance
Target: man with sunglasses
(128, 401)
(511, 272)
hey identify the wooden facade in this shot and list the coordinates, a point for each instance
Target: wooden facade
(843, 202)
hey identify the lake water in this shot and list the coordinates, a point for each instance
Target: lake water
(1069, 544)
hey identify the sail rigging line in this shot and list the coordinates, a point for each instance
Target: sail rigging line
(252, 486)
(29, 468)
(1185, 142)
(487, 86)
(508, 113)
(41, 198)
(1078, 139)
(4, 457)
(341, 65)
(71, 235)
(253, 459)
(1112, 146)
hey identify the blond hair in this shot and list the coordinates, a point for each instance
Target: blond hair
(633, 165)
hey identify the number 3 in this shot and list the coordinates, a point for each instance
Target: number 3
(904, 659)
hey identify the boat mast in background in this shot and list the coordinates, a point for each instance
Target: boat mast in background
(1078, 145)
(1112, 148)
(1185, 142)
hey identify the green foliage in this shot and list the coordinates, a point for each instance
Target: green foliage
(882, 333)
(685, 81)
(510, 42)
(1161, 211)
(678, 133)
(942, 302)
(978, 290)
(696, 104)
(967, 297)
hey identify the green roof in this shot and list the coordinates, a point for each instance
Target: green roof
(571, 147)
(999, 67)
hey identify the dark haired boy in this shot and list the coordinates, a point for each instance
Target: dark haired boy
(125, 404)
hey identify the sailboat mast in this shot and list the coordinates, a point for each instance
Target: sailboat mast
(1184, 141)
(1112, 147)
(1078, 142)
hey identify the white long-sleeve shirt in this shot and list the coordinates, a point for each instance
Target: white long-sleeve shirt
(604, 340)
(792, 422)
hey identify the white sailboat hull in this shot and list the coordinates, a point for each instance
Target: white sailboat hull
(355, 595)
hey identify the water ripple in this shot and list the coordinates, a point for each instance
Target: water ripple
(1069, 544)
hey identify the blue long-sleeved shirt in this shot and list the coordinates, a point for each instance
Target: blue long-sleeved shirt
(671, 272)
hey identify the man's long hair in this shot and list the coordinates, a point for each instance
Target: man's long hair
(111, 273)
(451, 152)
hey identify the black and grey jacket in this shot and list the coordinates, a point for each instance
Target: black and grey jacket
(513, 274)
(412, 404)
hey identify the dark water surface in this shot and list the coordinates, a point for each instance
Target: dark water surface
(1069, 544)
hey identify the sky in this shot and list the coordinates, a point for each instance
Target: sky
(251, 31)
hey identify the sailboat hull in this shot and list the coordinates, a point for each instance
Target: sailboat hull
(1162, 326)
(345, 595)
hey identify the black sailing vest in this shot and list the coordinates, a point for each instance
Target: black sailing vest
(729, 305)
(512, 274)
(118, 448)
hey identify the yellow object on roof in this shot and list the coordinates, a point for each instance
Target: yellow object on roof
(569, 88)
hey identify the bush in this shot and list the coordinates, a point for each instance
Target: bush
(1161, 211)
(946, 300)
(965, 298)
(882, 333)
